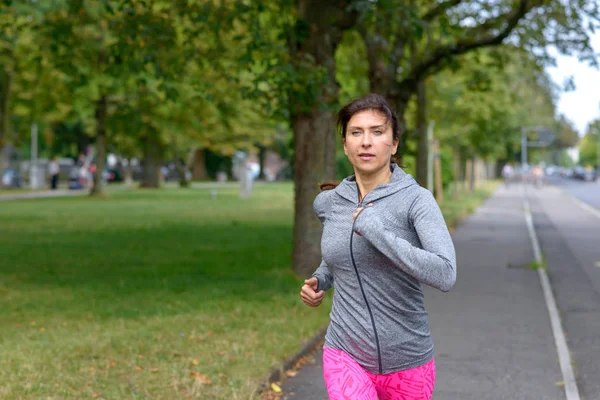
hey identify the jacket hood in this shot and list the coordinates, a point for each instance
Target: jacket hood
(348, 188)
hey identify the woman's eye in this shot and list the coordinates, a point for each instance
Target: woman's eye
(355, 133)
(378, 132)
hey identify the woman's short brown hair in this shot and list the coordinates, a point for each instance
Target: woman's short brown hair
(371, 101)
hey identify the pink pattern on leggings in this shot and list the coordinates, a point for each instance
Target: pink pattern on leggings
(346, 380)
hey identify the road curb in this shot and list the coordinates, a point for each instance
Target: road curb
(277, 373)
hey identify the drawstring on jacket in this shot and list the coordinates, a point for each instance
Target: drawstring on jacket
(363, 290)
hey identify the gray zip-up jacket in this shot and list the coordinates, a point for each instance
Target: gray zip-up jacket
(377, 265)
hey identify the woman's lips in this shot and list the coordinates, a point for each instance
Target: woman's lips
(366, 156)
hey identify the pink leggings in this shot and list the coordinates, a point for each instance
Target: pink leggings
(346, 380)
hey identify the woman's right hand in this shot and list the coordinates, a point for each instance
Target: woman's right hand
(309, 293)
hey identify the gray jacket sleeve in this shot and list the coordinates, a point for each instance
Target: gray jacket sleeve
(322, 206)
(435, 263)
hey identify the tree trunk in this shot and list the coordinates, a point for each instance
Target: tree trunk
(457, 171)
(262, 151)
(180, 167)
(100, 146)
(312, 121)
(5, 84)
(471, 173)
(179, 164)
(310, 158)
(128, 173)
(199, 165)
(151, 163)
(422, 145)
(401, 104)
(467, 171)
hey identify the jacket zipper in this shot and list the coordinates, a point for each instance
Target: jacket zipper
(363, 291)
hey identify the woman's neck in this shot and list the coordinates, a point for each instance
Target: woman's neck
(366, 183)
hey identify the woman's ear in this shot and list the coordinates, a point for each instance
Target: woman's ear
(395, 144)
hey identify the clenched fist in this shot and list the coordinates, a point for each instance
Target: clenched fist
(309, 293)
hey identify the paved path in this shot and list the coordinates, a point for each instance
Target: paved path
(492, 332)
(42, 194)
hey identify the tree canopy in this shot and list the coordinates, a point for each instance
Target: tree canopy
(157, 79)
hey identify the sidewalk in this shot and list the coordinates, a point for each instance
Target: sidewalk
(42, 194)
(492, 331)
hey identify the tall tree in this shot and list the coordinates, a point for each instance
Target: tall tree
(82, 42)
(441, 31)
(589, 146)
(481, 107)
(293, 68)
(7, 37)
(313, 43)
(30, 88)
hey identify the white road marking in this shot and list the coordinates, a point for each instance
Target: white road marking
(564, 356)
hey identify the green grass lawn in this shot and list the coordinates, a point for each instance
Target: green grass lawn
(128, 297)
(458, 204)
(160, 294)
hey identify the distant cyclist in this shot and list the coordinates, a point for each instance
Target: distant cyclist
(537, 174)
(508, 173)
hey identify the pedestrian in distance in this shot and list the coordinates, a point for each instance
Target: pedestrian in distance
(384, 236)
(53, 173)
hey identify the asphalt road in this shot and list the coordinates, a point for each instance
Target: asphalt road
(569, 236)
(588, 192)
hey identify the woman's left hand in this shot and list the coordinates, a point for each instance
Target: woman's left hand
(358, 210)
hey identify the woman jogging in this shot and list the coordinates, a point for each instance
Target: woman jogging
(383, 237)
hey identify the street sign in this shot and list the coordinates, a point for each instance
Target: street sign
(545, 137)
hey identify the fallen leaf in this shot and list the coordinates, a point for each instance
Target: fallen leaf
(154, 370)
(195, 361)
(138, 368)
(597, 263)
(201, 378)
(559, 383)
(96, 395)
(42, 330)
(275, 388)
(291, 373)
(92, 369)
(112, 364)
(90, 316)
(33, 323)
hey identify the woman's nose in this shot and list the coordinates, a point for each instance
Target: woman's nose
(366, 140)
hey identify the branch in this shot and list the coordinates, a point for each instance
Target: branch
(439, 9)
(477, 37)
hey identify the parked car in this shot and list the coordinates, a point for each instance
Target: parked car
(586, 174)
(11, 179)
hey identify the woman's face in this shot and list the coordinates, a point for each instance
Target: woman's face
(369, 142)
